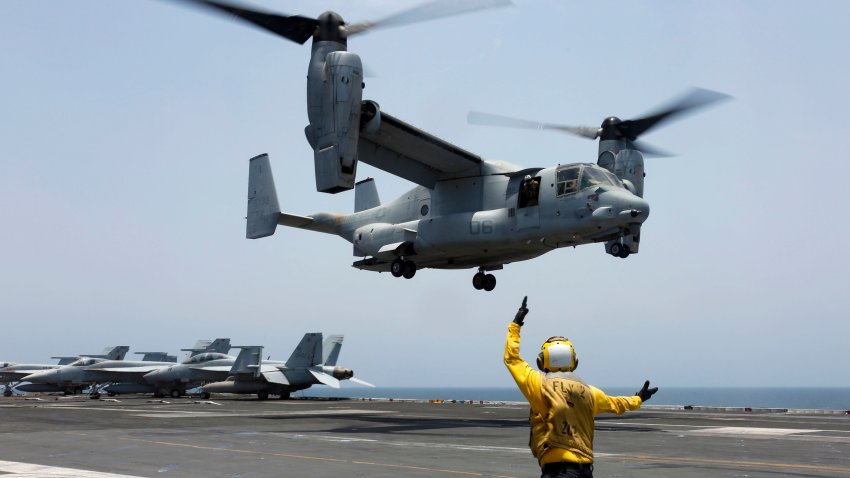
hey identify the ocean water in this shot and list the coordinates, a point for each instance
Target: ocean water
(825, 398)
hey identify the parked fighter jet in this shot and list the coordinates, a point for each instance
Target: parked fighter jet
(12, 373)
(204, 351)
(310, 363)
(94, 372)
(213, 367)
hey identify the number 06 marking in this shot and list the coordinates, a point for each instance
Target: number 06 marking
(481, 227)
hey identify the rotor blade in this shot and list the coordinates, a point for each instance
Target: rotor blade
(695, 99)
(296, 28)
(477, 117)
(361, 382)
(649, 150)
(427, 11)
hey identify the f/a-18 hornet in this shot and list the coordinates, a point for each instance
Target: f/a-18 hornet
(466, 211)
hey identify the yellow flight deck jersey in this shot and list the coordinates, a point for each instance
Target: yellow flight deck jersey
(562, 408)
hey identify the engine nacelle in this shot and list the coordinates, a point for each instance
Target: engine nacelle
(628, 165)
(334, 97)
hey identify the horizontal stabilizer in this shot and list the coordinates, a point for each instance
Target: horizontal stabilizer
(325, 378)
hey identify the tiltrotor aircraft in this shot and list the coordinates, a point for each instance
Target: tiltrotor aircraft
(466, 211)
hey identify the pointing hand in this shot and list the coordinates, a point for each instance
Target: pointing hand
(520, 314)
(646, 393)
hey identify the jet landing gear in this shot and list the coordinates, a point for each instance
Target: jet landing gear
(403, 268)
(484, 281)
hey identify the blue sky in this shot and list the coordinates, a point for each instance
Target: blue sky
(127, 126)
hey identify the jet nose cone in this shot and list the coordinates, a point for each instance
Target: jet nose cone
(37, 377)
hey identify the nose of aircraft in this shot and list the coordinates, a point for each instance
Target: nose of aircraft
(622, 204)
(38, 377)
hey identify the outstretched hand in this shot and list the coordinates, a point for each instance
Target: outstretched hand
(646, 393)
(520, 314)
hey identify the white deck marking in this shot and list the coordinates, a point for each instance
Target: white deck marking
(752, 431)
(13, 469)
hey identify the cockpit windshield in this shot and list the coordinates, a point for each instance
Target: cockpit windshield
(83, 362)
(205, 357)
(575, 177)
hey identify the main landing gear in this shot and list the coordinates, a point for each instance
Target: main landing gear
(483, 281)
(403, 268)
(620, 250)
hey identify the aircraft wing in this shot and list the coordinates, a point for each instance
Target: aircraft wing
(410, 153)
(273, 374)
(144, 369)
(214, 368)
(325, 378)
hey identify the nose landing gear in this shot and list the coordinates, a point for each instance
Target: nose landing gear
(620, 250)
(483, 281)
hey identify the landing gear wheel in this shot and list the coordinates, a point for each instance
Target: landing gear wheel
(175, 393)
(478, 281)
(616, 249)
(489, 282)
(7, 392)
(111, 394)
(397, 268)
(408, 269)
(626, 251)
(205, 395)
(264, 395)
(283, 396)
(94, 396)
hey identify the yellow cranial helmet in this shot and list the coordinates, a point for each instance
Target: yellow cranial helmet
(557, 355)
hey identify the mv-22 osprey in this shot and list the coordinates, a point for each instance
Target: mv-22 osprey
(467, 211)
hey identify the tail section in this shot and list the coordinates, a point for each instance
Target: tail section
(366, 195)
(307, 353)
(263, 208)
(221, 345)
(248, 361)
(330, 349)
(157, 357)
(115, 353)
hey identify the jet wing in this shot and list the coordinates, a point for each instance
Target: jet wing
(144, 369)
(214, 368)
(273, 374)
(410, 153)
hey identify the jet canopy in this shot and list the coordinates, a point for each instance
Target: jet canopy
(84, 362)
(205, 357)
(576, 177)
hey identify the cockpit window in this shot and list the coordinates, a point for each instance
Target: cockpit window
(205, 357)
(568, 180)
(83, 362)
(592, 176)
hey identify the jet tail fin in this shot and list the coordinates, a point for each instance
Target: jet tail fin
(366, 195)
(307, 353)
(248, 360)
(157, 357)
(330, 349)
(115, 353)
(263, 208)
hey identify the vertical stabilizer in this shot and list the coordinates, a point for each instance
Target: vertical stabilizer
(115, 353)
(248, 361)
(330, 349)
(366, 195)
(220, 345)
(263, 208)
(307, 353)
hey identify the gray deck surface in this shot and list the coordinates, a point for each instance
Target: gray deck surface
(246, 438)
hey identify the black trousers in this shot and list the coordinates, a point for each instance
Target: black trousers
(564, 469)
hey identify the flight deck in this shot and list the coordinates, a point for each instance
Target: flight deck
(245, 438)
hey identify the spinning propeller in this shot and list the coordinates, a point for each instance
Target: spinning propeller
(331, 27)
(613, 128)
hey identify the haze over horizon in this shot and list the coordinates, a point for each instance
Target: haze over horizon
(127, 128)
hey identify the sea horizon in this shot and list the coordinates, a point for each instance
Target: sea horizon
(820, 398)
